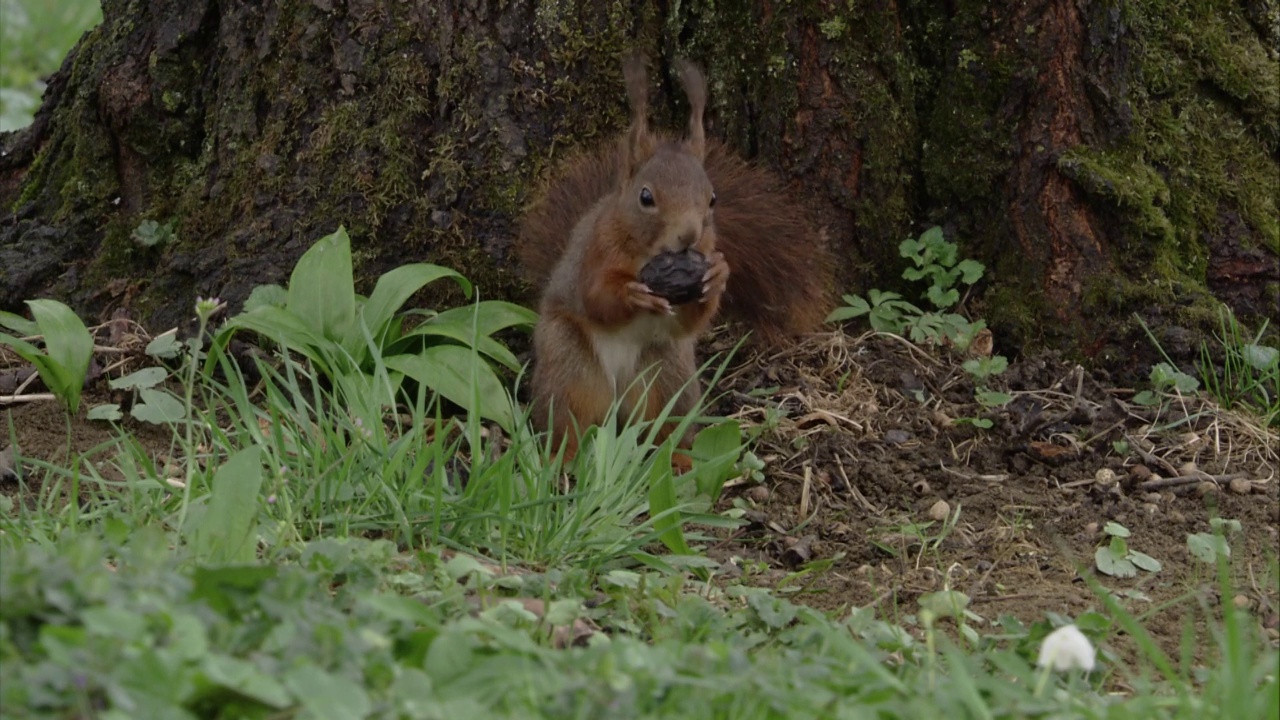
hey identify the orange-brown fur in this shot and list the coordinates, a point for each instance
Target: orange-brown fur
(780, 266)
(587, 237)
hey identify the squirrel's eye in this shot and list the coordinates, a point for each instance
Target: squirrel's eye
(646, 197)
(713, 200)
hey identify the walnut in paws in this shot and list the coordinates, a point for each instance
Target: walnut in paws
(676, 276)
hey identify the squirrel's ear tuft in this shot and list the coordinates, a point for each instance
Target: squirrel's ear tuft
(695, 87)
(638, 144)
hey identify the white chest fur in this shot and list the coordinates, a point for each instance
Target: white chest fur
(619, 351)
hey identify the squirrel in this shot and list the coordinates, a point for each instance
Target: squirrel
(602, 334)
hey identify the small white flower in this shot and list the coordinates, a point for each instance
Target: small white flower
(1066, 649)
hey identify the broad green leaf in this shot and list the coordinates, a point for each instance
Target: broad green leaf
(52, 374)
(397, 286)
(465, 335)
(1110, 564)
(490, 316)
(114, 622)
(144, 378)
(326, 695)
(941, 298)
(226, 531)
(970, 271)
(266, 296)
(716, 450)
(245, 678)
(1260, 357)
(64, 362)
(663, 503)
(284, 327)
(992, 398)
(945, 603)
(855, 306)
(110, 411)
(187, 636)
(164, 346)
(448, 370)
(1115, 529)
(1208, 547)
(19, 324)
(321, 289)
(158, 407)
(1144, 561)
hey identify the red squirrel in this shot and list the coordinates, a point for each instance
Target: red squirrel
(602, 334)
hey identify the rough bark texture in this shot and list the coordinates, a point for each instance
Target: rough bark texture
(1099, 157)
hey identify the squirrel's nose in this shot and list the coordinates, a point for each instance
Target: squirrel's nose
(687, 235)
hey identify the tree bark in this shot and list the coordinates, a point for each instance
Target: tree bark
(1100, 158)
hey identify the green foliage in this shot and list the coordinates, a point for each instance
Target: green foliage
(35, 36)
(1213, 547)
(153, 404)
(349, 337)
(352, 628)
(936, 263)
(150, 233)
(1237, 372)
(1240, 371)
(934, 260)
(68, 347)
(1117, 559)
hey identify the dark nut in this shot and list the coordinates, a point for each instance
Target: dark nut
(676, 276)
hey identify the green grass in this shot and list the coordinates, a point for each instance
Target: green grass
(332, 539)
(291, 560)
(35, 36)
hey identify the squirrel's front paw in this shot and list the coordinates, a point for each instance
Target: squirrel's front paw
(639, 297)
(716, 278)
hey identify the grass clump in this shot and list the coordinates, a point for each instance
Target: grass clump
(331, 536)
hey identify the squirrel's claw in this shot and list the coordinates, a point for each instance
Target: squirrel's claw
(640, 297)
(716, 279)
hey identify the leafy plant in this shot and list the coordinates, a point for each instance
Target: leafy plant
(1165, 380)
(150, 233)
(982, 369)
(63, 365)
(360, 343)
(1210, 547)
(1117, 559)
(153, 405)
(934, 261)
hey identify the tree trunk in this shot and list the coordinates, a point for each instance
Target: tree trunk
(1099, 157)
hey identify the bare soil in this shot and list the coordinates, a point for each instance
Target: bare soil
(864, 441)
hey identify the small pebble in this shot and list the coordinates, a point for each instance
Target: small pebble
(1091, 529)
(1187, 469)
(758, 494)
(1151, 509)
(940, 511)
(1141, 473)
(896, 437)
(1177, 517)
(1152, 497)
(1104, 476)
(1206, 488)
(1242, 602)
(1240, 486)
